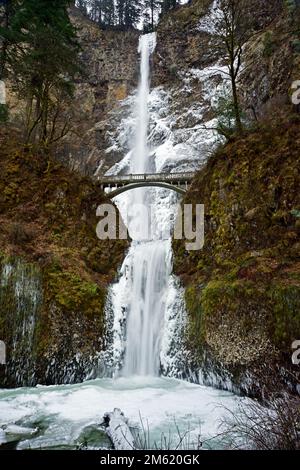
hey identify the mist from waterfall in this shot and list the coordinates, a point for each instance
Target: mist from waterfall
(145, 311)
(145, 308)
(149, 273)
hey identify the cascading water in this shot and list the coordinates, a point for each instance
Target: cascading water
(139, 161)
(147, 266)
(150, 272)
(146, 317)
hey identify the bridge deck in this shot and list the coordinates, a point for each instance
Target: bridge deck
(147, 177)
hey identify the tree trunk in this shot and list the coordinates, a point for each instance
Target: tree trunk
(118, 430)
(152, 16)
(45, 113)
(236, 104)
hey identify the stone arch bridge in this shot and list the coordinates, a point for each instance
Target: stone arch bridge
(178, 182)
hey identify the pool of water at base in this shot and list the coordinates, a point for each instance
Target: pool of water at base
(163, 413)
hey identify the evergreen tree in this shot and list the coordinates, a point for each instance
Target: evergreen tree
(151, 8)
(41, 57)
(128, 13)
(7, 8)
(109, 12)
(102, 12)
(120, 8)
(95, 10)
(108, 9)
(133, 12)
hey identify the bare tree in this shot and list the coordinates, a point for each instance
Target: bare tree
(232, 33)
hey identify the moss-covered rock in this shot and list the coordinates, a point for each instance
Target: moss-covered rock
(54, 270)
(243, 289)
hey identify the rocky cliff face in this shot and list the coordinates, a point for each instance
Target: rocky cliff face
(235, 331)
(187, 42)
(188, 77)
(187, 68)
(251, 238)
(110, 73)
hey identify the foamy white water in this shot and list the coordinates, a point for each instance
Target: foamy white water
(69, 416)
(150, 270)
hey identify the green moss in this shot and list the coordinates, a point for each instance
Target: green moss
(196, 333)
(68, 295)
(295, 213)
(269, 43)
(223, 295)
(285, 303)
(49, 221)
(4, 114)
(73, 293)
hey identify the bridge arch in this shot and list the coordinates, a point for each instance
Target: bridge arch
(145, 184)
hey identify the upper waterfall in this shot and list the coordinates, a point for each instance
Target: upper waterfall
(139, 161)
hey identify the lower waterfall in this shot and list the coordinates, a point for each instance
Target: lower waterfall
(149, 279)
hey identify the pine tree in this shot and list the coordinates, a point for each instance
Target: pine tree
(151, 8)
(102, 12)
(41, 58)
(133, 12)
(7, 9)
(95, 11)
(128, 13)
(108, 9)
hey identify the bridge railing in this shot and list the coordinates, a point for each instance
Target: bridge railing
(147, 177)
